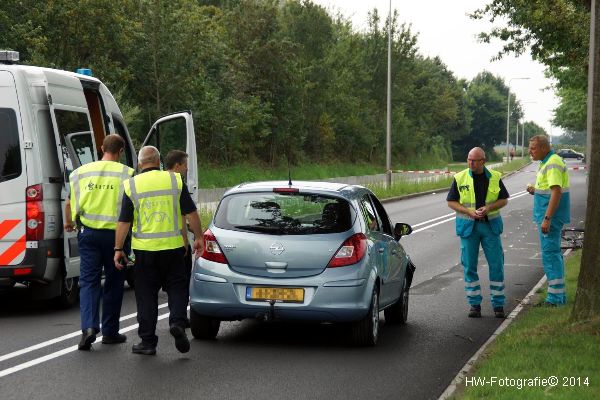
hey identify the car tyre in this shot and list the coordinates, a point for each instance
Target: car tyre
(203, 327)
(69, 293)
(366, 331)
(398, 312)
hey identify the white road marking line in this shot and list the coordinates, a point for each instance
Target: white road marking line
(131, 327)
(59, 339)
(517, 195)
(62, 352)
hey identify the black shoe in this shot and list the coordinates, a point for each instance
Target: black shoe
(499, 312)
(118, 338)
(475, 311)
(143, 348)
(181, 340)
(87, 338)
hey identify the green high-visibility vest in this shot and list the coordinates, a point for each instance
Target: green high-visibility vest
(157, 220)
(96, 193)
(466, 189)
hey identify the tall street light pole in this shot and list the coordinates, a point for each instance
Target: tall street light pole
(388, 138)
(508, 118)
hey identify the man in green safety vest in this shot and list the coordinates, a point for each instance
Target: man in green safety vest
(551, 210)
(477, 195)
(154, 204)
(95, 197)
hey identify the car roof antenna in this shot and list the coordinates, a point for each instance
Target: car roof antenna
(289, 170)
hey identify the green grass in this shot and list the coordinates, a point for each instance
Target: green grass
(542, 342)
(215, 177)
(402, 187)
(513, 165)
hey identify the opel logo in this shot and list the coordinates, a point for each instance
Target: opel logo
(276, 249)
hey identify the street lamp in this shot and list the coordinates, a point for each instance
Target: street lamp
(388, 136)
(508, 119)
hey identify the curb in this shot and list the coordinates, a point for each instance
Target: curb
(509, 319)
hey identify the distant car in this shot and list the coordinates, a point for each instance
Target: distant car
(570, 153)
(312, 251)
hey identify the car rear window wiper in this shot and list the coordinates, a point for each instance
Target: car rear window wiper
(260, 228)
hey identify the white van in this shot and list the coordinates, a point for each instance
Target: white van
(51, 122)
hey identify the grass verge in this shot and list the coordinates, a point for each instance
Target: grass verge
(541, 343)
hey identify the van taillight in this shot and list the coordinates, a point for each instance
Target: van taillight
(34, 213)
(350, 252)
(212, 251)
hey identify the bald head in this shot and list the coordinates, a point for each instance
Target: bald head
(148, 157)
(476, 160)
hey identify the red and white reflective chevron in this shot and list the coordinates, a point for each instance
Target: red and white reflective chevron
(12, 248)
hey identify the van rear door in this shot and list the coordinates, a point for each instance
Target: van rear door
(75, 144)
(13, 177)
(176, 132)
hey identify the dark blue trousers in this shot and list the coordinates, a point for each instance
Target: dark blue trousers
(96, 248)
(153, 270)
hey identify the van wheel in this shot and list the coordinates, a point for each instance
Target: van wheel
(366, 331)
(69, 293)
(203, 327)
(398, 313)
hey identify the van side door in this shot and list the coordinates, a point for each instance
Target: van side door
(176, 132)
(74, 142)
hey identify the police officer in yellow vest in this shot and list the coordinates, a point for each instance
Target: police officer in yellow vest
(154, 203)
(551, 210)
(477, 195)
(95, 198)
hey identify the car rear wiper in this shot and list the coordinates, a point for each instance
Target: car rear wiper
(259, 228)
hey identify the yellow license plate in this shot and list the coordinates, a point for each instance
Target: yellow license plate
(285, 295)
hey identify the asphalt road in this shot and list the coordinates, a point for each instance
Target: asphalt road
(252, 360)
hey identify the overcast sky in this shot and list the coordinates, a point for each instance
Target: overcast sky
(445, 30)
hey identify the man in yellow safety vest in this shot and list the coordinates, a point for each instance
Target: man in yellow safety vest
(154, 204)
(95, 198)
(477, 195)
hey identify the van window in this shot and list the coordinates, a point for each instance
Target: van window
(169, 135)
(126, 157)
(10, 150)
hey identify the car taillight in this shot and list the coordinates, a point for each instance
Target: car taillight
(350, 252)
(34, 213)
(212, 251)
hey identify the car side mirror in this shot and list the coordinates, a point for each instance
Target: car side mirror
(402, 229)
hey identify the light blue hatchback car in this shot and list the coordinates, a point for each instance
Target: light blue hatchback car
(313, 251)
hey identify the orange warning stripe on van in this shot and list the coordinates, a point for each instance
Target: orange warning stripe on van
(7, 225)
(17, 247)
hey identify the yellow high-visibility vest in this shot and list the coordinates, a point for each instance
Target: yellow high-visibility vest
(466, 189)
(157, 220)
(96, 193)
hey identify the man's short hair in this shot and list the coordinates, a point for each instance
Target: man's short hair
(149, 155)
(541, 140)
(113, 144)
(175, 157)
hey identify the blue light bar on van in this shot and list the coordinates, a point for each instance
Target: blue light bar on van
(84, 71)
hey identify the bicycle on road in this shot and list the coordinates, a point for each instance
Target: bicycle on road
(572, 238)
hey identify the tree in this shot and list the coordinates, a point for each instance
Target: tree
(587, 299)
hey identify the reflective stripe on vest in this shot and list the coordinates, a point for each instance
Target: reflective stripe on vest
(161, 228)
(100, 209)
(554, 162)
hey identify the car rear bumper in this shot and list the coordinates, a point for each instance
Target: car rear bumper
(336, 295)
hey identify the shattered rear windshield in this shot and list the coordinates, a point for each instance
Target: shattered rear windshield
(284, 214)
